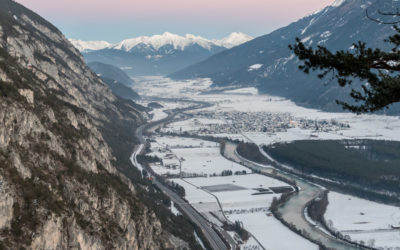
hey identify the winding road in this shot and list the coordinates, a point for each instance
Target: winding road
(209, 233)
(292, 211)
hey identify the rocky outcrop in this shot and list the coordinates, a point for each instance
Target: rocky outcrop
(64, 180)
(6, 204)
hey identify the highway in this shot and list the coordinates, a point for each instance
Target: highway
(209, 233)
(212, 237)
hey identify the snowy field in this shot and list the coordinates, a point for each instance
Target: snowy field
(205, 161)
(243, 91)
(241, 200)
(179, 142)
(238, 204)
(193, 156)
(242, 205)
(158, 114)
(364, 220)
(247, 100)
(292, 134)
(271, 233)
(163, 87)
(191, 124)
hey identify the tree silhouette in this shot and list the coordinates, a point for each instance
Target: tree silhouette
(378, 69)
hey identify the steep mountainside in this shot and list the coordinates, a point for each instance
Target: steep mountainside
(266, 62)
(65, 140)
(159, 54)
(111, 72)
(116, 79)
(120, 89)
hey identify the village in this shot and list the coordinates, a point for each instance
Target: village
(230, 122)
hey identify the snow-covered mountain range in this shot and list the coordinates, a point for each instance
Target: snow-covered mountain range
(158, 54)
(158, 41)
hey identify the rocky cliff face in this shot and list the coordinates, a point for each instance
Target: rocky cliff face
(63, 141)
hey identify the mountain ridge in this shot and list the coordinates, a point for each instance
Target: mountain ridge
(111, 72)
(158, 41)
(267, 63)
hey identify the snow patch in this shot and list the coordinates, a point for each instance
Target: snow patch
(255, 67)
(126, 68)
(174, 210)
(249, 91)
(326, 34)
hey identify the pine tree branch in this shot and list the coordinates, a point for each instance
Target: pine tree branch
(382, 88)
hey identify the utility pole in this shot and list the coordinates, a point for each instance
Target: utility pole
(180, 168)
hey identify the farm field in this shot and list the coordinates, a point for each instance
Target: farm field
(237, 193)
(270, 232)
(233, 115)
(198, 157)
(240, 196)
(364, 220)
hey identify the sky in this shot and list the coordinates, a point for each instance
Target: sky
(115, 20)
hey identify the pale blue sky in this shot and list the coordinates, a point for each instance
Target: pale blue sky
(120, 19)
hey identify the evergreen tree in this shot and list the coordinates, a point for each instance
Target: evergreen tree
(378, 69)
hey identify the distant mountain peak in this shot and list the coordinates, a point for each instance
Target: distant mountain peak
(89, 45)
(338, 3)
(167, 38)
(234, 39)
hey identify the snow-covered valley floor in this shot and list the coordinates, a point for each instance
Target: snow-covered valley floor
(245, 197)
(363, 220)
(245, 115)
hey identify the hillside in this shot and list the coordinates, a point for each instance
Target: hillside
(109, 71)
(65, 141)
(121, 90)
(267, 63)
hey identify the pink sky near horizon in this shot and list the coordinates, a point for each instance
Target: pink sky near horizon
(124, 8)
(178, 14)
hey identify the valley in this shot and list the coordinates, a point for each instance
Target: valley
(195, 150)
(287, 138)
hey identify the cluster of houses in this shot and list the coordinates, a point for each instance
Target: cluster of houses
(267, 122)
